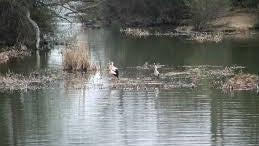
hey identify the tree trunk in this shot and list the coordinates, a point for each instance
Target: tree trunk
(36, 29)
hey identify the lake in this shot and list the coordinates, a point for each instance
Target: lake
(68, 113)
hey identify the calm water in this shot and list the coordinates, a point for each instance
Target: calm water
(61, 115)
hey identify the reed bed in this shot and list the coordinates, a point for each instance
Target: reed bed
(76, 58)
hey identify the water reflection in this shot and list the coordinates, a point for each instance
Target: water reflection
(230, 118)
(118, 117)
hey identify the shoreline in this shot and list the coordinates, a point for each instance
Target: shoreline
(186, 32)
(236, 22)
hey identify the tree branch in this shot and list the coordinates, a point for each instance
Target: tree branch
(70, 5)
(53, 11)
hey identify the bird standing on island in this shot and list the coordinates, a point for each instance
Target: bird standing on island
(156, 72)
(113, 70)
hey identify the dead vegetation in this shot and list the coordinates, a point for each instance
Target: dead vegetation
(16, 51)
(207, 36)
(242, 82)
(217, 77)
(179, 31)
(35, 80)
(76, 58)
(138, 78)
(136, 32)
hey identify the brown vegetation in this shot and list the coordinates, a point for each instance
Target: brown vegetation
(76, 58)
(136, 32)
(18, 50)
(242, 82)
(207, 36)
(179, 31)
(12, 81)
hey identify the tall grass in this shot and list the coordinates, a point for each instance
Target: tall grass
(76, 58)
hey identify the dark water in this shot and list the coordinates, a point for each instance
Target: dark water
(62, 115)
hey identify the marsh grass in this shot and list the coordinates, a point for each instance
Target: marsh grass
(76, 58)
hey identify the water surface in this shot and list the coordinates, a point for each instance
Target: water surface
(72, 114)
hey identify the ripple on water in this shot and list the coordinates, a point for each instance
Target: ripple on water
(115, 116)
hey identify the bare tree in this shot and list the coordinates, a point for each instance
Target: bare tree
(16, 24)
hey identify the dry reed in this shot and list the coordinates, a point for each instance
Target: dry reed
(76, 58)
